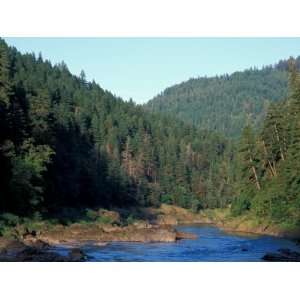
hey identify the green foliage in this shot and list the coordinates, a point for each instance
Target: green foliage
(240, 205)
(91, 214)
(27, 174)
(269, 181)
(102, 219)
(69, 143)
(5, 85)
(166, 199)
(224, 103)
(130, 219)
(12, 225)
(7, 231)
(9, 219)
(95, 216)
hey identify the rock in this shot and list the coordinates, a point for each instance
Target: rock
(77, 255)
(283, 255)
(142, 225)
(6, 244)
(146, 235)
(166, 220)
(38, 255)
(159, 235)
(174, 215)
(285, 251)
(100, 244)
(109, 228)
(34, 242)
(185, 235)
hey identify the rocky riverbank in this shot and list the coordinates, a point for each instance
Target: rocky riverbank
(249, 224)
(141, 232)
(18, 251)
(36, 246)
(282, 255)
(152, 225)
(222, 218)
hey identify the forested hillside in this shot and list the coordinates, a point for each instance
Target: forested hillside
(225, 103)
(269, 162)
(66, 142)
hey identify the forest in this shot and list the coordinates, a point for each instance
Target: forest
(67, 142)
(269, 170)
(225, 103)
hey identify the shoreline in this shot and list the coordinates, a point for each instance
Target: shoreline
(159, 225)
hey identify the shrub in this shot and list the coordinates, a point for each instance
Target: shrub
(102, 219)
(10, 219)
(240, 205)
(130, 219)
(7, 231)
(91, 215)
(166, 199)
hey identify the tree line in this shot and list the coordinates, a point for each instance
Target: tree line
(269, 161)
(66, 142)
(224, 103)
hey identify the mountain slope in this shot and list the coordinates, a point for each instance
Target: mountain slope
(224, 103)
(268, 177)
(66, 142)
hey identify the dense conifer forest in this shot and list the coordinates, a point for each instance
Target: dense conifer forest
(67, 142)
(224, 103)
(269, 161)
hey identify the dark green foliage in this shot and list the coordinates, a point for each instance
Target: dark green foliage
(224, 103)
(67, 145)
(241, 204)
(66, 142)
(274, 154)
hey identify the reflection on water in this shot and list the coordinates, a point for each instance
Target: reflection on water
(212, 244)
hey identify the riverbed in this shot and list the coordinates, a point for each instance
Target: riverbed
(212, 245)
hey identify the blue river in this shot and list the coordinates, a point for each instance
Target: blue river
(212, 245)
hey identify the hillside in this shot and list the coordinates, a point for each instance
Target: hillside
(225, 103)
(66, 142)
(68, 146)
(268, 163)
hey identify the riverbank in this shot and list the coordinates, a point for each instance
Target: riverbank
(248, 223)
(148, 225)
(222, 218)
(158, 225)
(36, 246)
(32, 243)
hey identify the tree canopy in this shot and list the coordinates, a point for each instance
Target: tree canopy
(224, 103)
(68, 142)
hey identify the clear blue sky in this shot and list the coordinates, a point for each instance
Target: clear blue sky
(142, 67)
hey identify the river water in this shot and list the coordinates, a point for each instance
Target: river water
(212, 245)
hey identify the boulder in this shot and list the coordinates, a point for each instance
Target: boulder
(142, 225)
(283, 255)
(166, 220)
(185, 235)
(77, 255)
(37, 255)
(35, 242)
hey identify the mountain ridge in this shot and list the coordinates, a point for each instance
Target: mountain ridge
(223, 103)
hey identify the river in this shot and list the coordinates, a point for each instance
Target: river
(212, 244)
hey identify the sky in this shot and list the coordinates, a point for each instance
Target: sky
(141, 68)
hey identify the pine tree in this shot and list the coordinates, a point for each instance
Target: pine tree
(40, 117)
(5, 82)
(249, 158)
